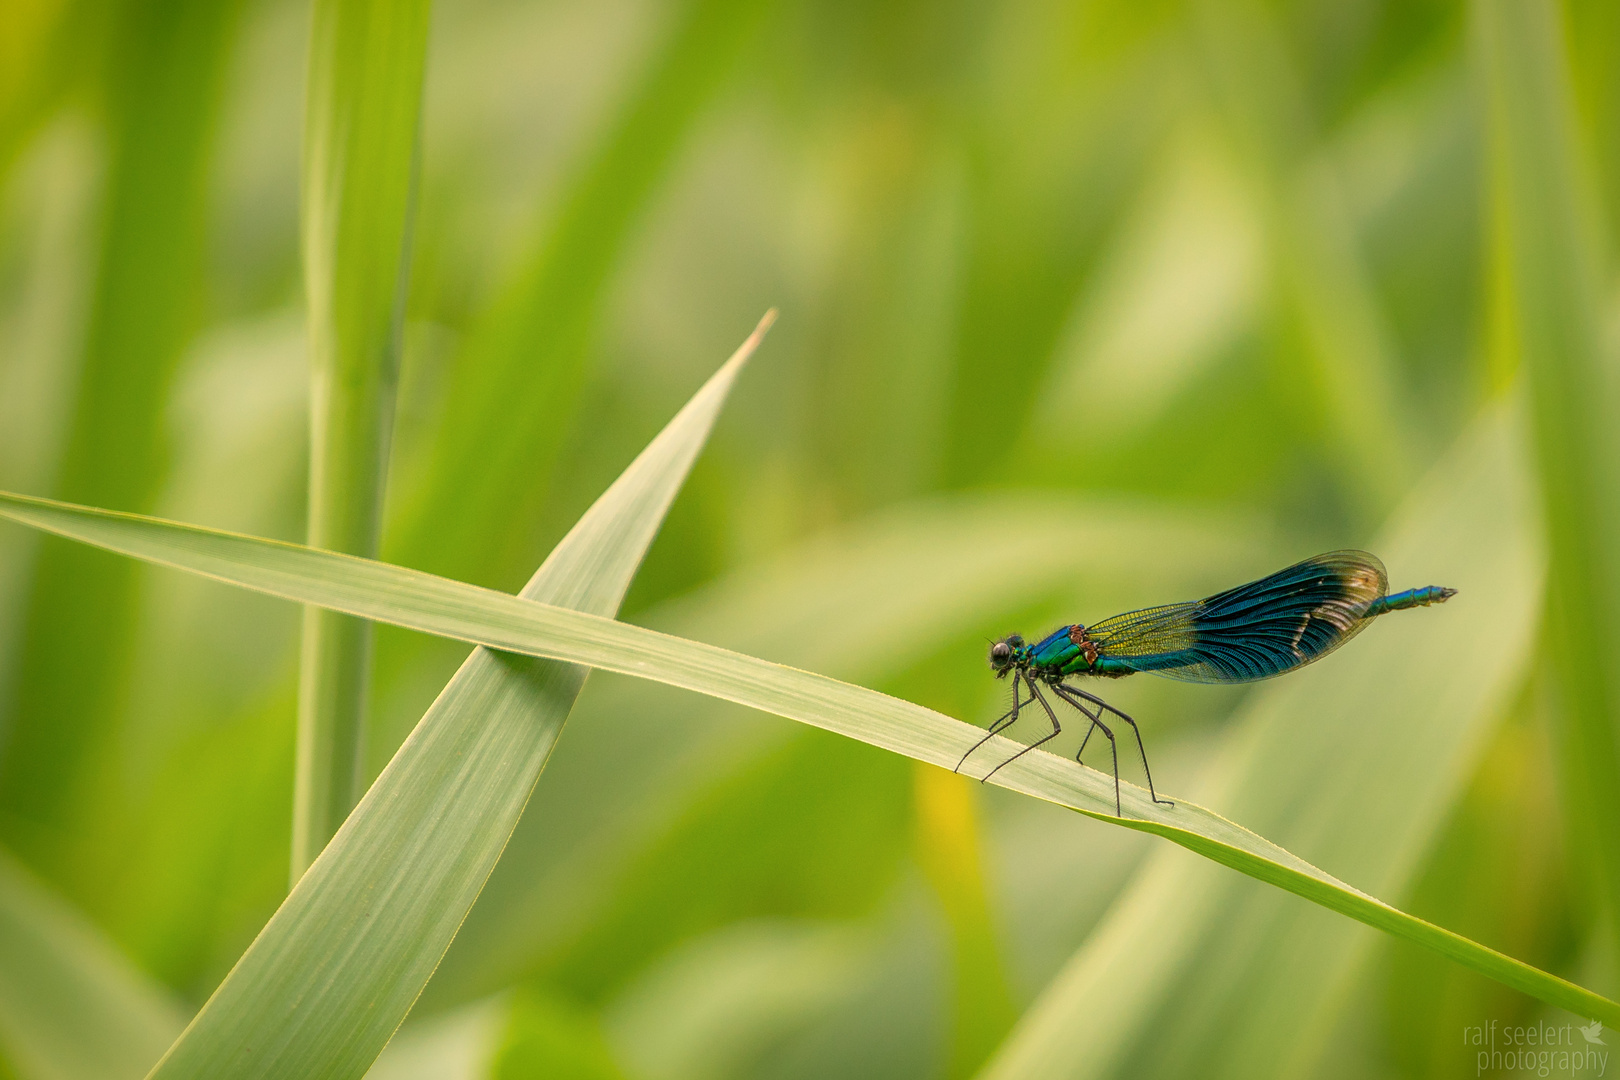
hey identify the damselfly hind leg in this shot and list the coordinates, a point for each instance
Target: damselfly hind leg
(1096, 725)
(998, 725)
(1094, 717)
(1069, 693)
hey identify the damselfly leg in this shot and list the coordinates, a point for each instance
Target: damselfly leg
(1096, 725)
(1001, 723)
(1071, 693)
(1057, 729)
(1088, 705)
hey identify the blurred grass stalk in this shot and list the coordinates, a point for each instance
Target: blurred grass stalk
(361, 141)
(1347, 371)
(72, 1006)
(523, 371)
(161, 88)
(949, 849)
(1546, 319)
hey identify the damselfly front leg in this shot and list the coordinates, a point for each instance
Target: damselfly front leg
(1000, 724)
(1057, 729)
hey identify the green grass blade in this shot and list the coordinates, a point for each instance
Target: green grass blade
(1547, 318)
(512, 624)
(71, 1007)
(1361, 762)
(338, 967)
(864, 603)
(364, 103)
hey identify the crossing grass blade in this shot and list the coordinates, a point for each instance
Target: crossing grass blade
(872, 598)
(513, 624)
(336, 970)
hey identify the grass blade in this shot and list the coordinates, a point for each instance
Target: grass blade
(360, 151)
(338, 967)
(868, 600)
(1546, 287)
(72, 1008)
(512, 624)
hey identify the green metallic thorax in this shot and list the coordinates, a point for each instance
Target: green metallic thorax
(1068, 650)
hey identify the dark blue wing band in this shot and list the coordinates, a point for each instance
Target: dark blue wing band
(1255, 631)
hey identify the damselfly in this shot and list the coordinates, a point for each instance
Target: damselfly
(1254, 631)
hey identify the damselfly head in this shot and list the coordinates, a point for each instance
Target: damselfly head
(1002, 653)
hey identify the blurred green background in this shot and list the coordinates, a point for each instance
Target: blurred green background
(1086, 305)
